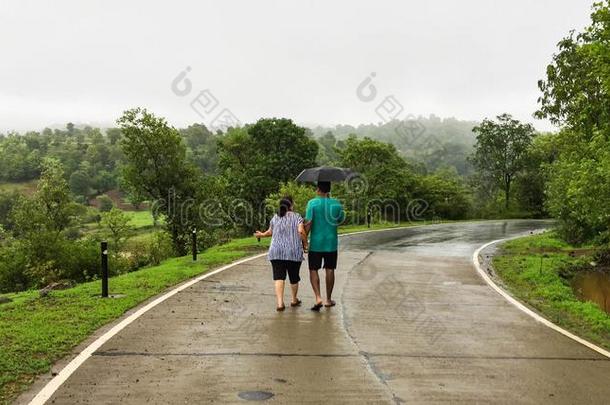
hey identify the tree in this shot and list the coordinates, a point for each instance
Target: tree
(576, 94)
(80, 183)
(257, 159)
(444, 194)
(530, 186)
(202, 147)
(117, 227)
(157, 167)
(328, 149)
(501, 150)
(385, 182)
(53, 196)
(300, 193)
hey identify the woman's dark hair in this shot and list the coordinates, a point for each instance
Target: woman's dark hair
(285, 206)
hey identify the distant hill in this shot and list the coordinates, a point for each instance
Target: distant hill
(432, 141)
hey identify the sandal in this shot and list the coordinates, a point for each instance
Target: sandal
(317, 307)
(296, 304)
(332, 304)
(280, 309)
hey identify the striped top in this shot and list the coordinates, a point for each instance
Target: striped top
(285, 239)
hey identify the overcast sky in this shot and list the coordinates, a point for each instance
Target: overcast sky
(87, 61)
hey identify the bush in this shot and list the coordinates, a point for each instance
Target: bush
(160, 248)
(445, 195)
(13, 261)
(106, 203)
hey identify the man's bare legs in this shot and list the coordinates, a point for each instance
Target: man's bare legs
(315, 285)
(330, 283)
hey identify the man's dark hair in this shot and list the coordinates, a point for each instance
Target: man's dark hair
(324, 186)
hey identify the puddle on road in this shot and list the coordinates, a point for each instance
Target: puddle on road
(593, 286)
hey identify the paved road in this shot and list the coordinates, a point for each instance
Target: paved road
(414, 324)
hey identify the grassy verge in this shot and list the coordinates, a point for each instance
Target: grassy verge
(546, 287)
(36, 332)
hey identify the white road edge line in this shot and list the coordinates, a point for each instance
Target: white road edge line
(49, 389)
(519, 305)
(63, 375)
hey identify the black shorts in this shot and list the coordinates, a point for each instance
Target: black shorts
(315, 260)
(281, 267)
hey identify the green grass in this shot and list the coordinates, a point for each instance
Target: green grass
(26, 187)
(547, 288)
(35, 332)
(140, 219)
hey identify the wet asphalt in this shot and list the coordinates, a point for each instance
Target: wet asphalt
(414, 323)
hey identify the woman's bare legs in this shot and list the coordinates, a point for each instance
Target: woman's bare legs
(279, 292)
(294, 288)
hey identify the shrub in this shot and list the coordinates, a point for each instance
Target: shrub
(106, 203)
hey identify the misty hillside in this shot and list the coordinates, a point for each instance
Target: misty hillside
(433, 141)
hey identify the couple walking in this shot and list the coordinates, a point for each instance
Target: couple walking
(289, 233)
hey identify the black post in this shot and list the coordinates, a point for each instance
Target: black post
(368, 218)
(104, 269)
(194, 245)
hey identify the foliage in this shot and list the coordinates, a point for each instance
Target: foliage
(384, 184)
(106, 203)
(7, 202)
(256, 159)
(300, 193)
(501, 151)
(445, 194)
(328, 154)
(51, 208)
(80, 183)
(576, 94)
(579, 187)
(201, 145)
(157, 167)
(117, 227)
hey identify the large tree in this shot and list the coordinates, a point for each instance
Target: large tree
(157, 167)
(256, 159)
(576, 95)
(385, 181)
(501, 150)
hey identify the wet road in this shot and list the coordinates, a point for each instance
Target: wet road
(414, 324)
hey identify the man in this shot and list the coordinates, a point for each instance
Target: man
(322, 217)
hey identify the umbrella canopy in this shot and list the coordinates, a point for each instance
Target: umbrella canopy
(324, 173)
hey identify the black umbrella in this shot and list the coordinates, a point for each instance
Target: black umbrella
(324, 173)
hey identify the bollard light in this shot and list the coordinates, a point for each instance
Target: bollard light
(194, 245)
(104, 247)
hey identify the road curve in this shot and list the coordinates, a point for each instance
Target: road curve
(414, 324)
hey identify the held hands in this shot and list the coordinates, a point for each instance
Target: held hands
(259, 234)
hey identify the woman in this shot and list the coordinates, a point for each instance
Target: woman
(288, 240)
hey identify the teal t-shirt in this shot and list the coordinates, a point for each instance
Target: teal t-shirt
(325, 215)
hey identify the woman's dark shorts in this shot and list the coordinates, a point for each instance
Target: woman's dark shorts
(281, 267)
(317, 260)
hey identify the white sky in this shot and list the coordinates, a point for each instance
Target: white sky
(87, 61)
